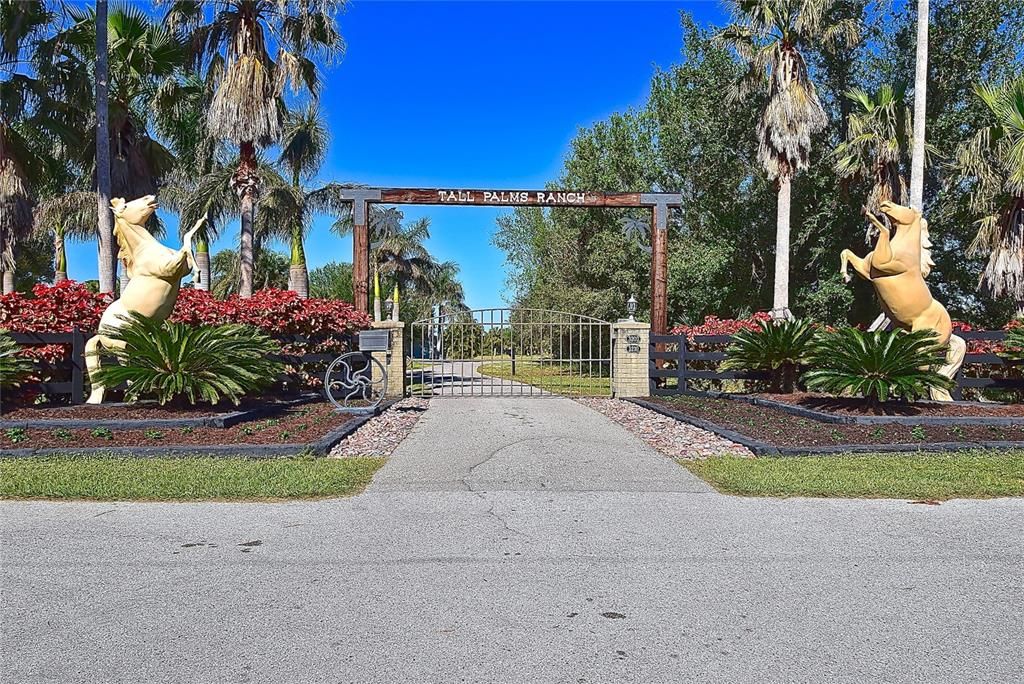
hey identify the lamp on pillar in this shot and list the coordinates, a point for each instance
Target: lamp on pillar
(389, 305)
(631, 307)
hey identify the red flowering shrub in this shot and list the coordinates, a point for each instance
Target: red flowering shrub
(275, 312)
(52, 309)
(279, 313)
(713, 325)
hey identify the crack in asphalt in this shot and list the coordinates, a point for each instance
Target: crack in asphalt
(500, 518)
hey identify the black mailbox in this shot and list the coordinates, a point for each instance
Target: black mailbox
(374, 340)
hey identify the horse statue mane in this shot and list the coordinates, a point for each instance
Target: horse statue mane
(154, 273)
(897, 268)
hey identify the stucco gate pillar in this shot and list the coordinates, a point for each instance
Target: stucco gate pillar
(394, 359)
(630, 374)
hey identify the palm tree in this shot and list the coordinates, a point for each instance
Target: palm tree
(920, 108)
(771, 35)
(877, 139)
(271, 270)
(993, 162)
(199, 185)
(208, 195)
(23, 115)
(67, 216)
(397, 251)
(236, 45)
(143, 56)
(303, 148)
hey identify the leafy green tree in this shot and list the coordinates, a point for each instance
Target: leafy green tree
(253, 49)
(333, 280)
(771, 37)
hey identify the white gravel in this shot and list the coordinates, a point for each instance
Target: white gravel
(669, 436)
(380, 435)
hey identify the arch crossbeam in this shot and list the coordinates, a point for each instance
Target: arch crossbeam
(659, 203)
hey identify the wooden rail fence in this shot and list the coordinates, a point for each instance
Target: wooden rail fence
(74, 365)
(671, 356)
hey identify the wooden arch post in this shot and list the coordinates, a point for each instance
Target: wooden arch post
(659, 203)
(361, 199)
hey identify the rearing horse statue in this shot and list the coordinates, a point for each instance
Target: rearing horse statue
(897, 268)
(154, 273)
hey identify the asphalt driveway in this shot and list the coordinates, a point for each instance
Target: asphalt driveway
(514, 540)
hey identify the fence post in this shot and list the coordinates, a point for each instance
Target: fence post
(681, 364)
(77, 365)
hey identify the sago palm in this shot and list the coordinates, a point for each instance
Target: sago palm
(877, 365)
(779, 348)
(169, 361)
(253, 49)
(993, 162)
(771, 36)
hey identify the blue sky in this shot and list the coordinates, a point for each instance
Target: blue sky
(478, 95)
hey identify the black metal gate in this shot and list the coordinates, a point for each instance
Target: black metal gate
(510, 352)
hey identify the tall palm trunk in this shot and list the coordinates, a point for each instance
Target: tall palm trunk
(203, 264)
(105, 224)
(298, 274)
(8, 281)
(920, 101)
(60, 257)
(780, 301)
(246, 184)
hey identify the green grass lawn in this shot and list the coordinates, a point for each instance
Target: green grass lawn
(566, 378)
(965, 475)
(183, 479)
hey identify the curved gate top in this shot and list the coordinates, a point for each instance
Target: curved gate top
(510, 352)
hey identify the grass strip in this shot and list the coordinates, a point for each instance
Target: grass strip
(964, 475)
(573, 378)
(112, 478)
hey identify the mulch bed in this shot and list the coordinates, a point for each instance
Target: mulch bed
(142, 410)
(779, 428)
(859, 407)
(300, 424)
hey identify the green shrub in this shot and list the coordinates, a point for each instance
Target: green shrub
(876, 365)
(16, 434)
(776, 347)
(170, 361)
(102, 433)
(13, 368)
(1013, 347)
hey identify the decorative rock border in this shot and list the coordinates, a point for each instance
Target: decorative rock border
(319, 447)
(848, 419)
(217, 420)
(765, 449)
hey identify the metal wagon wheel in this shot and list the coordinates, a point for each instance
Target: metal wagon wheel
(355, 381)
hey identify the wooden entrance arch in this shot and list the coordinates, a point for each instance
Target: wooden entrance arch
(659, 203)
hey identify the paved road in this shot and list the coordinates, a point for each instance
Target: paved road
(487, 553)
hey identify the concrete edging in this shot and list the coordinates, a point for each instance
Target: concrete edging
(760, 448)
(844, 419)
